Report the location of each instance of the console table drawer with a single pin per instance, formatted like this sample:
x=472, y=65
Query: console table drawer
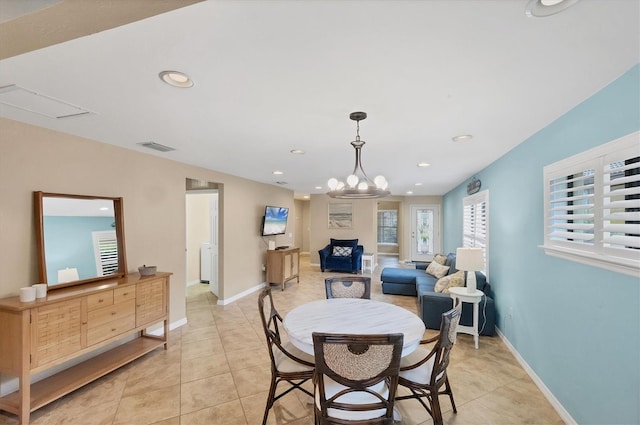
x=124, y=294
x=110, y=329
x=110, y=313
x=99, y=300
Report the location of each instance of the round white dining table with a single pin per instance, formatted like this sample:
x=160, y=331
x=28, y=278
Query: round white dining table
x=351, y=316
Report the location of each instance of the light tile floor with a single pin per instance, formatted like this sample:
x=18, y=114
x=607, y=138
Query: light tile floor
x=216, y=372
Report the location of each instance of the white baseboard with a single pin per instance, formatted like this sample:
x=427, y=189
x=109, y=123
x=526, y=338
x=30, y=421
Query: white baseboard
x=566, y=417
x=158, y=330
x=242, y=294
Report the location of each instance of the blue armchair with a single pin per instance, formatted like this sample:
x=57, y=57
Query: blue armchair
x=343, y=255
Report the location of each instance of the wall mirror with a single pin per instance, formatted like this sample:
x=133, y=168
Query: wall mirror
x=79, y=238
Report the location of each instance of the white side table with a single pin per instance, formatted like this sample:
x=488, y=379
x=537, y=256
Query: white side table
x=368, y=261
x=463, y=294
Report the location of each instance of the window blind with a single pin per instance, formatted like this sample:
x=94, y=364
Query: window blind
x=475, y=223
x=108, y=249
x=621, y=203
x=592, y=206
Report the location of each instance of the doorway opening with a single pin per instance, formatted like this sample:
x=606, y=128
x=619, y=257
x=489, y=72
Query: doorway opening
x=202, y=234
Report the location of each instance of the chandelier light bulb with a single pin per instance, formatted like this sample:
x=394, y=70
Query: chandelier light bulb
x=363, y=185
x=352, y=180
x=380, y=182
x=332, y=183
x=340, y=186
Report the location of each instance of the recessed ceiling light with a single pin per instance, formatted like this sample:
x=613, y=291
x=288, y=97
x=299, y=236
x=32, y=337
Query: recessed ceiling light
x=544, y=8
x=176, y=79
x=409, y=192
x=418, y=184
x=297, y=151
x=318, y=187
x=423, y=164
x=462, y=138
x=278, y=173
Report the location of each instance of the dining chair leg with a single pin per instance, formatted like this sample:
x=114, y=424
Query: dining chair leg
x=447, y=390
x=435, y=409
x=270, y=398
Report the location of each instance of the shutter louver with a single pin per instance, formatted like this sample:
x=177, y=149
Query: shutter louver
x=571, y=216
x=621, y=203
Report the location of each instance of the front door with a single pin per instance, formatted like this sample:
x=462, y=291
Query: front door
x=425, y=232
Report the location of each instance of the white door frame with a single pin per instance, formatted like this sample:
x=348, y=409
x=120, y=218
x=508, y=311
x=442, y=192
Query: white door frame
x=213, y=215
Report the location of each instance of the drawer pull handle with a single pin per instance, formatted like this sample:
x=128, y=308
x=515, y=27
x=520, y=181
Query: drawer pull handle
x=113, y=329
x=113, y=313
x=100, y=300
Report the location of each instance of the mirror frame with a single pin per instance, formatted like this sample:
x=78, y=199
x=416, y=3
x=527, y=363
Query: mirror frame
x=39, y=222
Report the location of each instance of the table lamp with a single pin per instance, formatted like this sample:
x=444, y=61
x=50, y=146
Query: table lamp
x=470, y=260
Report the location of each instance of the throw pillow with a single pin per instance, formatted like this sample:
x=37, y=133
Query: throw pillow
x=443, y=284
x=440, y=258
x=437, y=270
x=342, y=251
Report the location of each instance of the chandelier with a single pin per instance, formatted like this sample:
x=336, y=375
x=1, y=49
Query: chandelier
x=358, y=185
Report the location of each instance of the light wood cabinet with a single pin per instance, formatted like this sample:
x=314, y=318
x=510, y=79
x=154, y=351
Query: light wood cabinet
x=74, y=321
x=56, y=331
x=283, y=265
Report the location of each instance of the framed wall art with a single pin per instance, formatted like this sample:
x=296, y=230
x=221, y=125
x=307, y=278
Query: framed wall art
x=340, y=216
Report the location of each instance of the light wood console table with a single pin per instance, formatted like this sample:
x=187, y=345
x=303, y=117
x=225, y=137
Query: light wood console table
x=283, y=265
x=75, y=321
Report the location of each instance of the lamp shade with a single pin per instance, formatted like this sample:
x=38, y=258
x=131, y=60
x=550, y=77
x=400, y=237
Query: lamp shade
x=469, y=259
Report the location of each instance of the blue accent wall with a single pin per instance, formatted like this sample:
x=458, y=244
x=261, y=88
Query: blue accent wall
x=69, y=243
x=576, y=326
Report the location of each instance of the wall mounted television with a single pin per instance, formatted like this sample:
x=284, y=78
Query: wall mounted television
x=274, y=221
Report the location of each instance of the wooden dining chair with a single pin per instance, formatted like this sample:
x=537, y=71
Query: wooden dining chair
x=348, y=287
x=356, y=378
x=424, y=371
x=288, y=364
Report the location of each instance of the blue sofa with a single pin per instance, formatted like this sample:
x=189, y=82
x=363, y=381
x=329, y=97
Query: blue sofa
x=332, y=259
x=416, y=282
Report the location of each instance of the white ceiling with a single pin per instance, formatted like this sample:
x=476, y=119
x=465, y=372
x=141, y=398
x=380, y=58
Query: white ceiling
x=272, y=76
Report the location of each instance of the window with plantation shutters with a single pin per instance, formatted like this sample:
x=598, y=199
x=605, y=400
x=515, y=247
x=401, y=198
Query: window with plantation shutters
x=475, y=224
x=592, y=205
x=105, y=248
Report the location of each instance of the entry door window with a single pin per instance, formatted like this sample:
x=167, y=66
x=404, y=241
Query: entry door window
x=424, y=231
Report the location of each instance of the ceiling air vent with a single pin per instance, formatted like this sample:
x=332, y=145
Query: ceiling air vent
x=157, y=146
x=27, y=100
x=281, y=183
